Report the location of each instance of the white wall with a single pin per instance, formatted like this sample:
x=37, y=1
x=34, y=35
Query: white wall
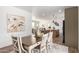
x=41, y=21
x=5, y=37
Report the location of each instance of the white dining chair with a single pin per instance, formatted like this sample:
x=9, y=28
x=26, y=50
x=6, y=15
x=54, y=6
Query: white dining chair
x=18, y=44
x=50, y=37
x=50, y=41
x=55, y=48
x=43, y=46
x=21, y=45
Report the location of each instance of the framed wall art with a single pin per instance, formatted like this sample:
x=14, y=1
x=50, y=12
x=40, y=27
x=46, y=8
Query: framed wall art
x=15, y=23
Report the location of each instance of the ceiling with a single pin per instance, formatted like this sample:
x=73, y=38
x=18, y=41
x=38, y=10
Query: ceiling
x=26, y=8
x=43, y=12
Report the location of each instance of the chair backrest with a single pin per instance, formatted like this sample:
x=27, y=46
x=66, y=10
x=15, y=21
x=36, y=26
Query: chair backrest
x=49, y=41
x=43, y=43
x=17, y=42
x=50, y=37
x=44, y=38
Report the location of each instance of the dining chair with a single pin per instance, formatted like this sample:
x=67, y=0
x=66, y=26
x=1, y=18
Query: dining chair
x=17, y=43
x=50, y=38
x=53, y=47
x=43, y=46
x=49, y=41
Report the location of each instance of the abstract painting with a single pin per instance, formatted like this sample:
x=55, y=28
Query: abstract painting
x=15, y=23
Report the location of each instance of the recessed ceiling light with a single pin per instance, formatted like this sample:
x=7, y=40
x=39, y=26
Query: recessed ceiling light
x=59, y=11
